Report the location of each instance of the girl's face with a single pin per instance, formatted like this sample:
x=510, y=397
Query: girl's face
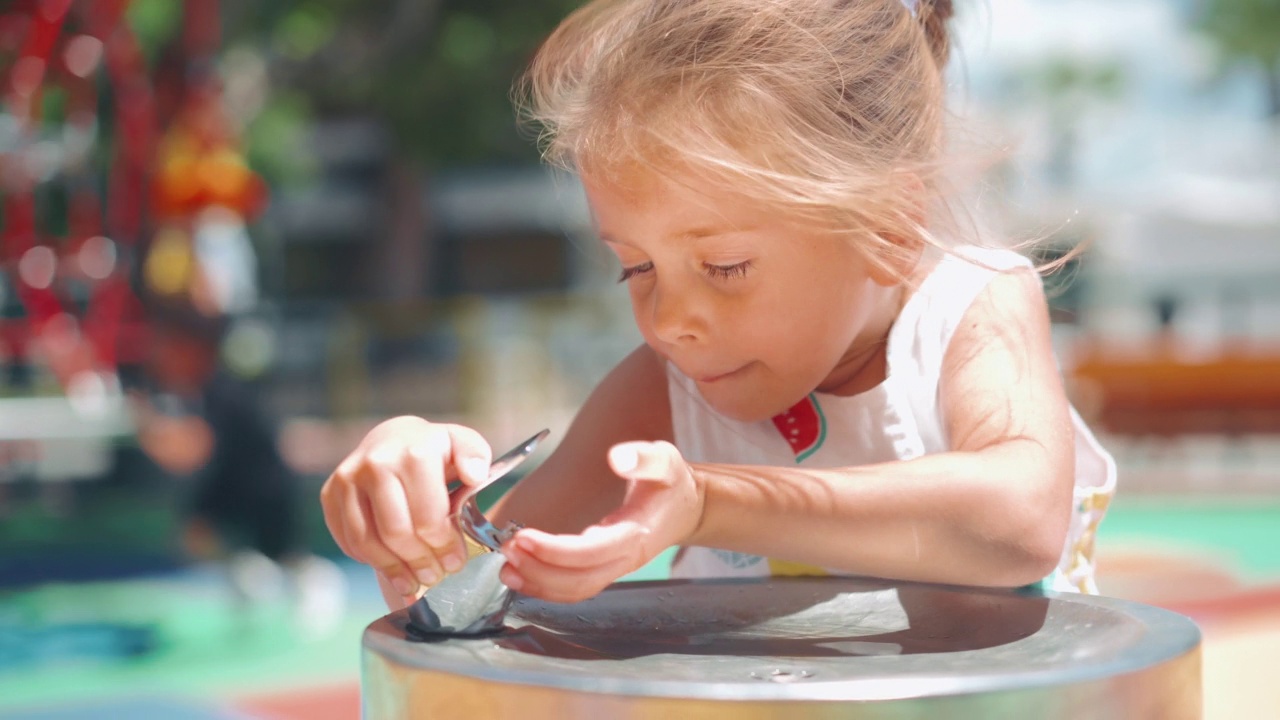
x=758, y=311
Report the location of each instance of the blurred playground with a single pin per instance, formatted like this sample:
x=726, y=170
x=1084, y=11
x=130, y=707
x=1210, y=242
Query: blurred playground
x=283, y=222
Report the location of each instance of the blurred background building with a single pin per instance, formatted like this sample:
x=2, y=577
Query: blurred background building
x=329, y=205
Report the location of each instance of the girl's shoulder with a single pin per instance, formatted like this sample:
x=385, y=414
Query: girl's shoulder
x=944, y=295
x=960, y=273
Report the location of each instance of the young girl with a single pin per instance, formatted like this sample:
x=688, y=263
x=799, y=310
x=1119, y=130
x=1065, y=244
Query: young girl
x=831, y=380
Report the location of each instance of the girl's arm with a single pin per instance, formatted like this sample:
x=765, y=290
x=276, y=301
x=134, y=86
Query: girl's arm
x=574, y=487
x=992, y=511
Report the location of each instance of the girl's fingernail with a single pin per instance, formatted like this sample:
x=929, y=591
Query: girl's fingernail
x=624, y=458
x=402, y=585
x=513, y=557
x=476, y=469
x=524, y=543
x=427, y=576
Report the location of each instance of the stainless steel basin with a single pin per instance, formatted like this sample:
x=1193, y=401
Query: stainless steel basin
x=796, y=648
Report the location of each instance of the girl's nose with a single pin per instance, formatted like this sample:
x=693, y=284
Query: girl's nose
x=673, y=315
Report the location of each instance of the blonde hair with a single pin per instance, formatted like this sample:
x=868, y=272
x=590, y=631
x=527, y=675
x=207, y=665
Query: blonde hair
x=823, y=107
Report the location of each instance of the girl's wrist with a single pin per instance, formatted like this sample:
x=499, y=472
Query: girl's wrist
x=700, y=474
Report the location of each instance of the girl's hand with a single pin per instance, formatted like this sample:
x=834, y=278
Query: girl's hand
x=662, y=507
x=387, y=504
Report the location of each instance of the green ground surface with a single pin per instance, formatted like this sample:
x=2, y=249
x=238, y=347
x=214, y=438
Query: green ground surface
x=207, y=649
x=204, y=648
x=1243, y=533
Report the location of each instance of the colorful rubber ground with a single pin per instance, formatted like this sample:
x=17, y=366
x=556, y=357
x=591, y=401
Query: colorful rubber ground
x=185, y=652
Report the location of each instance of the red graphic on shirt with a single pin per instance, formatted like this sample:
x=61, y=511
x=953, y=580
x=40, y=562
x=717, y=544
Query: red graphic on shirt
x=803, y=427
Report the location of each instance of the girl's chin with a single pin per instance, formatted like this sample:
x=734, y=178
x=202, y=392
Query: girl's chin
x=734, y=409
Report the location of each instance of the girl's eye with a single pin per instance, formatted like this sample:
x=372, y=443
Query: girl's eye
x=634, y=270
x=717, y=272
x=728, y=272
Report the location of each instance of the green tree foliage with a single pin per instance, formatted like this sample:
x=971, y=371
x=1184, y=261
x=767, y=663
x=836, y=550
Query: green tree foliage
x=438, y=73
x=1248, y=30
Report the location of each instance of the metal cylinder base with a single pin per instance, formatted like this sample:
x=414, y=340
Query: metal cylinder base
x=796, y=648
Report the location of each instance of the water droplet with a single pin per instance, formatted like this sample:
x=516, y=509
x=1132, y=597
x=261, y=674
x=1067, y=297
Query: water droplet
x=779, y=675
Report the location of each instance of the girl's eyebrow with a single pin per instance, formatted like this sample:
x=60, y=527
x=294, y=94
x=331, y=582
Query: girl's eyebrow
x=693, y=233
x=702, y=231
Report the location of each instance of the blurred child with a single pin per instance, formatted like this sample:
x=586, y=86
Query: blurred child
x=244, y=509
x=837, y=377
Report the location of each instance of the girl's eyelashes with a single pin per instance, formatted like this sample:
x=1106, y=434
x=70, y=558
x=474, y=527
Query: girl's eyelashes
x=634, y=270
x=727, y=272
x=717, y=272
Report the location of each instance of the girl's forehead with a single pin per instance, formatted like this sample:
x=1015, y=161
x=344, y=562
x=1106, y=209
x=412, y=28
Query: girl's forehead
x=671, y=208
x=652, y=190
x=685, y=206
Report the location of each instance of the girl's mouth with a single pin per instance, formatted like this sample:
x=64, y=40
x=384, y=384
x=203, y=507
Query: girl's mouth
x=708, y=379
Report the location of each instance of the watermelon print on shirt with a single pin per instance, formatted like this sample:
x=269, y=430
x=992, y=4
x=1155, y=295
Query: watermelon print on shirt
x=804, y=427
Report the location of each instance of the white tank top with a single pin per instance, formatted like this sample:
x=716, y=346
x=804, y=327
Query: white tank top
x=899, y=419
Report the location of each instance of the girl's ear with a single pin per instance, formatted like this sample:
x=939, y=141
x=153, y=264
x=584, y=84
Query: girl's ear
x=902, y=246
x=896, y=259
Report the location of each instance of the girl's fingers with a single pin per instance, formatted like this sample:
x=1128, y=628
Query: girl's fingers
x=362, y=535
x=351, y=519
x=529, y=575
x=391, y=596
x=624, y=532
x=332, y=508
x=387, y=504
x=427, y=499
x=653, y=461
x=395, y=529
x=469, y=454
x=333, y=520
x=355, y=525
x=584, y=550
